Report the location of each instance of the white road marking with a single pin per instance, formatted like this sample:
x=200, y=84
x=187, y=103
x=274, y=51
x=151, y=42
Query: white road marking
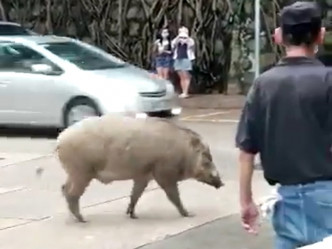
x=15, y=158
x=212, y=120
x=10, y=190
x=205, y=115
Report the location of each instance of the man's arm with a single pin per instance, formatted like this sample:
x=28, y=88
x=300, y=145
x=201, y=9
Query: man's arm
x=246, y=141
x=249, y=210
x=246, y=173
x=191, y=43
x=248, y=144
x=247, y=137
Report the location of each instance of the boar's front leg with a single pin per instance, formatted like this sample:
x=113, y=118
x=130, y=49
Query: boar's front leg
x=171, y=189
x=137, y=191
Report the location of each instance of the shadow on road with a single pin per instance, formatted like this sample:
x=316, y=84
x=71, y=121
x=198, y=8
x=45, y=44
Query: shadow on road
x=29, y=132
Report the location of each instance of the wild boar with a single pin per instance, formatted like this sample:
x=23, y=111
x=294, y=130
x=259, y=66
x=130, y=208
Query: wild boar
x=114, y=147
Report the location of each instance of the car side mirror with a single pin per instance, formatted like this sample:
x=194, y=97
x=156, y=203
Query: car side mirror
x=41, y=68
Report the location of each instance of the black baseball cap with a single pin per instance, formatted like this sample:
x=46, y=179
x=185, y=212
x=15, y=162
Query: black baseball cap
x=300, y=13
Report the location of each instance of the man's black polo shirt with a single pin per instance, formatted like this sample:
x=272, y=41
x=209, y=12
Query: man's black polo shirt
x=287, y=118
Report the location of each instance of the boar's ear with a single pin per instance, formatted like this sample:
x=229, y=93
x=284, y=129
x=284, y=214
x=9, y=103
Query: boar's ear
x=195, y=142
x=195, y=139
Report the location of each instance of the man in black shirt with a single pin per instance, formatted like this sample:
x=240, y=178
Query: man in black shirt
x=287, y=120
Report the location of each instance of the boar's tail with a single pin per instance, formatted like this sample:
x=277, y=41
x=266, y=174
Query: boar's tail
x=40, y=170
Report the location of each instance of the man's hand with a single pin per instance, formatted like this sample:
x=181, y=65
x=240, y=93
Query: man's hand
x=250, y=217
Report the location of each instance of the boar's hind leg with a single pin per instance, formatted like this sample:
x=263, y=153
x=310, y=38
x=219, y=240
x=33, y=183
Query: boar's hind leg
x=137, y=191
x=72, y=190
x=172, y=191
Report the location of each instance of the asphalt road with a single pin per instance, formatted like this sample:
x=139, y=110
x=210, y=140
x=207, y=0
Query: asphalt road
x=31, y=207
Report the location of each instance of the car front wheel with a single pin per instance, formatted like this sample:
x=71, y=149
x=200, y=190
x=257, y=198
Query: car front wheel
x=80, y=110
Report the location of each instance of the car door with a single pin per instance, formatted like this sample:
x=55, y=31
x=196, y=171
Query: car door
x=8, y=99
x=30, y=96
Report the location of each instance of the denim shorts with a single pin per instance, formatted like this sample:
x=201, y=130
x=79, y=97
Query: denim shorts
x=183, y=65
x=164, y=61
x=303, y=216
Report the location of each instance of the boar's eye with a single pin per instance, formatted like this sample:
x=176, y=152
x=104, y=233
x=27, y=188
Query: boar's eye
x=207, y=155
x=207, y=164
x=206, y=161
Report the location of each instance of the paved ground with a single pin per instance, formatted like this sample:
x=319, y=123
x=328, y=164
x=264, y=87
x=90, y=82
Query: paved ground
x=221, y=233
x=214, y=101
x=210, y=116
x=33, y=214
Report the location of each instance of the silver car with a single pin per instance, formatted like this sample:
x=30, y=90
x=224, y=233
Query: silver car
x=56, y=81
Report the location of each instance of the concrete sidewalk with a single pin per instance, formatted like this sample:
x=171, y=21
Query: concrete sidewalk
x=35, y=216
x=216, y=101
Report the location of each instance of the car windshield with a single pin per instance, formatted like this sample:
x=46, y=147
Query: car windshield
x=83, y=57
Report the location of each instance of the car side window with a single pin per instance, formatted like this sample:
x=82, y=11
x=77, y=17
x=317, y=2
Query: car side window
x=20, y=58
x=8, y=29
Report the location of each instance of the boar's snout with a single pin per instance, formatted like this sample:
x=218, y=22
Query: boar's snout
x=215, y=180
x=217, y=183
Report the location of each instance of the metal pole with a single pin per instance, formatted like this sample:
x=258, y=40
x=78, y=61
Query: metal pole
x=257, y=37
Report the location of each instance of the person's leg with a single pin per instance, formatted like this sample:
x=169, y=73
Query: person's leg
x=163, y=72
x=186, y=83
x=318, y=207
x=182, y=82
x=159, y=66
x=160, y=71
x=288, y=220
x=178, y=67
x=166, y=73
x=284, y=243
x=167, y=67
x=187, y=67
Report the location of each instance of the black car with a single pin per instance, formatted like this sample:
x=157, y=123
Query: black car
x=12, y=28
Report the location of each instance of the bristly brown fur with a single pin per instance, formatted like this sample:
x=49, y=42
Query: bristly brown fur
x=138, y=150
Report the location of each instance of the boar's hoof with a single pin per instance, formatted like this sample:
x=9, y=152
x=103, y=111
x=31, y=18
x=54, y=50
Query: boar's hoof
x=187, y=214
x=131, y=213
x=133, y=216
x=73, y=205
x=80, y=219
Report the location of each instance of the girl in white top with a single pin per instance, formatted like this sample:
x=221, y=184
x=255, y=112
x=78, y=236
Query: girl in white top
x=183, y=47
